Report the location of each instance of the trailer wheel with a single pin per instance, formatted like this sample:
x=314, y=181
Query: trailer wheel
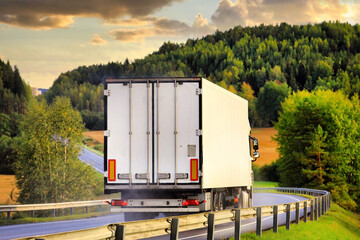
x=244, y=199
x=215, y=202
x=221, y=201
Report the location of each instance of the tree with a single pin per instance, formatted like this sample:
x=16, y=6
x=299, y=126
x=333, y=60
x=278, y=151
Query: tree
x=318, y=135
x=48, y=169
x=269, y=101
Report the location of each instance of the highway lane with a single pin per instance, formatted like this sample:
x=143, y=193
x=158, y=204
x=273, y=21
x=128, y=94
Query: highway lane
x=35, y=229
x=93, y=159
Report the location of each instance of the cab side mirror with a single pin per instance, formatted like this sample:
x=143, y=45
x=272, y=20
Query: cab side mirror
x=255, y=144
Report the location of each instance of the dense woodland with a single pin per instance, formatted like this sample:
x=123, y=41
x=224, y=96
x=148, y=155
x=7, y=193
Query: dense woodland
x=14, y=96
x=320, y=56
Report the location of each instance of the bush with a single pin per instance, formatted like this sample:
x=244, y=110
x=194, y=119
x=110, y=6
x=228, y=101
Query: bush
x=93, y=120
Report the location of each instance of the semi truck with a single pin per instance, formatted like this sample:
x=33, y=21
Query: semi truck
x=175, y=145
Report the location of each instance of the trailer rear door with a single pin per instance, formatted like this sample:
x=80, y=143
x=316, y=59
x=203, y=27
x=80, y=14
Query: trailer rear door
x=153, y=132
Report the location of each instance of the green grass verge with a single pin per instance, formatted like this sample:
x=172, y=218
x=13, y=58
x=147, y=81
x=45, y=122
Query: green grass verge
x=337, y=223
x=264, y=184
x=93, y=150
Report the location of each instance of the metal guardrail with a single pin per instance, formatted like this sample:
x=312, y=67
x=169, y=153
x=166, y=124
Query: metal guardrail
x=318, y=205
x=51, y=206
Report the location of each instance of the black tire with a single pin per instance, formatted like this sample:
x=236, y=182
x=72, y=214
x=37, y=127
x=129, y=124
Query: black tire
x=215, y=202
x=221, y=201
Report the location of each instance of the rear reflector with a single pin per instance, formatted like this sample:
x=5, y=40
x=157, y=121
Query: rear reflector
x=194, y=170
x=112, y=170
x=119, y=203
x=190, y=202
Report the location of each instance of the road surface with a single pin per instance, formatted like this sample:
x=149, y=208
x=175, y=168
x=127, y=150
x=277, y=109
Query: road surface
x=94, y=160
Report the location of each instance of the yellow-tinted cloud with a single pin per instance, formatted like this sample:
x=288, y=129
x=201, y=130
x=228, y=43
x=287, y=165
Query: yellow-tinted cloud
x=164, y=27
x=59, y=14
x=98, y=40
x=254, y=12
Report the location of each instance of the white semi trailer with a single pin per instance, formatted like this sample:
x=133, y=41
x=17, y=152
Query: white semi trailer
x=176, y=145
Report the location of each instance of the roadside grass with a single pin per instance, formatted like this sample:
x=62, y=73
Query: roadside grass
x=93, y=150
x=337, y=223
x=93, y=142
x=264, y=184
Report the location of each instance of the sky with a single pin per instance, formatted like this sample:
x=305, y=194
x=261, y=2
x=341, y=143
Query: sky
x=44, y=38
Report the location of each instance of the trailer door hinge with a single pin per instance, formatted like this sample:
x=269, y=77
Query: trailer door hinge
x=198, y=132
x=107, y=92
x=198, y=91
x=107, y=133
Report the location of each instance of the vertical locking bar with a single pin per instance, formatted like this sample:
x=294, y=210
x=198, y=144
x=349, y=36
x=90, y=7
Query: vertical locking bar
x=148, y=129
x=157, y=130
x=175, y=131
x=130, y=133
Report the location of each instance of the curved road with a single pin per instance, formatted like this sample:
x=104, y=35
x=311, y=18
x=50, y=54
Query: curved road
x=224, y=230
x=94, y=160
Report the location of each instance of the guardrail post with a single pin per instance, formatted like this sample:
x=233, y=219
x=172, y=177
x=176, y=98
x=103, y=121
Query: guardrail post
x=86, y=209
x=323, y=205
x=297, y=215
x=32, y=214
x=316, y=208
x=174, y=235
x=71, y=211
x=275, y=219
x=305, y=211
x=8, y=216
x=211, y=226
x=312, y=209
x=53, y=213
x=237, y=224
x=288, y=214
x=258, y=222
x=319, y=208
x=120, y=232
x=100, y=208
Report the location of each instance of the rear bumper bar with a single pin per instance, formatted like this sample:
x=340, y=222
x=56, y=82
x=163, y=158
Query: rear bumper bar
x=125, y=209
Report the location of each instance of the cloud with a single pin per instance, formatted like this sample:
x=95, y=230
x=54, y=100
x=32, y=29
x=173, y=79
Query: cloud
x=230, y=14
x=164, y=27
x=49, y=14
x=98, y=40
x=254, y=12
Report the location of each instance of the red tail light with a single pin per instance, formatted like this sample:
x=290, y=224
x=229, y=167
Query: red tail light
x=119, y=203
x=190, y=202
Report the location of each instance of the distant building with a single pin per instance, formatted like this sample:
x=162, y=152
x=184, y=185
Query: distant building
x=38, y=91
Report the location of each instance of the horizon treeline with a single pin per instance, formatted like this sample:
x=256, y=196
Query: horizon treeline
x=318, y=56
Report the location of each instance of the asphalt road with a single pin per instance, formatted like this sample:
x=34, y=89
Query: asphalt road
x=224, y=230
x=94, y=160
